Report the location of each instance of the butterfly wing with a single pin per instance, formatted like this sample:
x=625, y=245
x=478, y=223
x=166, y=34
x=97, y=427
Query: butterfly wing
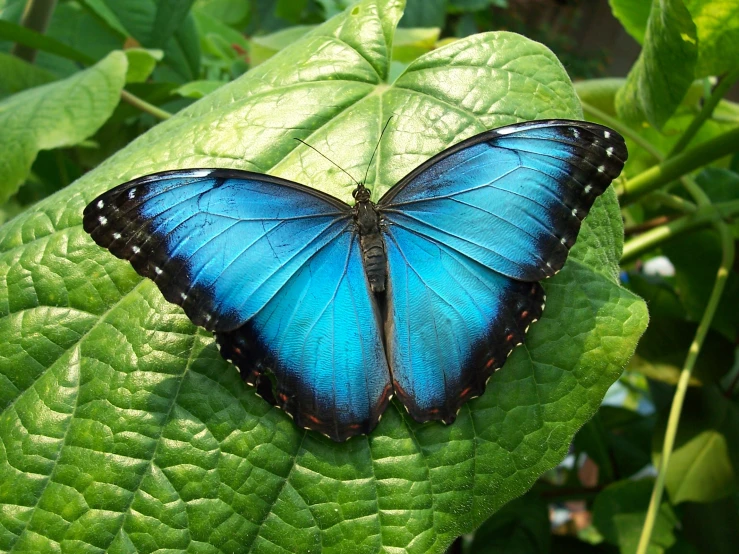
x=219, y=243
x=315, y=349
x=468, y=234
x=273, y=268
x=450, y=323
x=512, y=198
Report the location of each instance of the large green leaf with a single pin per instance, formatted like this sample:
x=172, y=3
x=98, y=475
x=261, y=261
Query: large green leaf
x=704, y=465
x=717, y=22
x=521, y=526
x=633, y=15
x=666, y=66
x=717, y=26
x=58, y=114
x=123, y=429
x=20, y=75
x=86, y=38
x=619, y=512
x=601, y=93
x=164, y=24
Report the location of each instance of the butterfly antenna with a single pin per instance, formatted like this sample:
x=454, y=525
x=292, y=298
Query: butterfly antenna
x=329, y=159
x=376, y=147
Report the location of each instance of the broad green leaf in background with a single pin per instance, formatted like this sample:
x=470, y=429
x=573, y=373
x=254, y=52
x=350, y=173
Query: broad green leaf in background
x=198, y=89
x=474, y=5
x=62, y=113
x=706, y=448
x=601, y=93
x=101, y=10
x=424, y=13
x=141, y=62
x=522, y=526
x=629, y=436
x=619, y=512
x=142, y=18
x=633, y=15
x=712, y=526
x=409, y=44
x=696, y=258
x=665, y=69
x=208, y=25
x=71, y=25
x=117, y=411
x=263, y=47
x=231, y=12
x=664, y=346
x=170, y=15
x=717, y=22
x=18, y=75
x=333, y=7
x=717, y=27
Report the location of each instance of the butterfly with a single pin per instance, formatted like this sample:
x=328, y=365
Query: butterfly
x=330, y=309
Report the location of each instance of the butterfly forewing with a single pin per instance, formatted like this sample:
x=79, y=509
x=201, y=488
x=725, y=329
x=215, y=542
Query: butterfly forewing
x=220, y=243
x=513, y=198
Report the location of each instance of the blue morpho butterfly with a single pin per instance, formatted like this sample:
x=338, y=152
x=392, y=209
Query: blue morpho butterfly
x=330, y=309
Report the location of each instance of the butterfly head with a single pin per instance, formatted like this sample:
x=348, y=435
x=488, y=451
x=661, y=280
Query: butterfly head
x=361, y=193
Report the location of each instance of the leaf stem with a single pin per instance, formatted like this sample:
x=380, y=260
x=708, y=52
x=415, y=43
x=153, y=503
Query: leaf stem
x=36, y=16
x=705, y=215
x=682, y=164
x=622, y=128
x=672, y=201
x=144, y=106
x=727, y=246
x=706, y=111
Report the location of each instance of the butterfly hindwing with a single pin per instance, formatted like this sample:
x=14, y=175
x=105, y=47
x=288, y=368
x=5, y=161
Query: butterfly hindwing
x=315, y=349
x=220, y=243
x=512, y=198
x=450, y=323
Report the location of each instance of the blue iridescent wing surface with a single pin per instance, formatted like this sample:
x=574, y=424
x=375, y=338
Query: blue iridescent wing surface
x=320, y=340
x=450, y=323
x=241, y=252
x=513, y=198
x=468, y=234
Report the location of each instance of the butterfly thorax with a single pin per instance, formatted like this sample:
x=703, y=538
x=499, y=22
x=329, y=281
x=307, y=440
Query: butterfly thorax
x=370, y=239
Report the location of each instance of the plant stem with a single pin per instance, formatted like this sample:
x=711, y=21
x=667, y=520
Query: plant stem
x=706, y=111
x=36, y=16
x=705, y=215
x=625, y=130
x=144, y=106
x=682, y=164
x=672, y=201
x=727, y=245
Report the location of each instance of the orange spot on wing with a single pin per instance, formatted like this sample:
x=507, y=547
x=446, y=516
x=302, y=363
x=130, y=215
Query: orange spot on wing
x=524, y=314
x=490, y=363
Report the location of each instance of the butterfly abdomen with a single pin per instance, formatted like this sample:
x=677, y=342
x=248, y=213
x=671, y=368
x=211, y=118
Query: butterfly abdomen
x=372, y=244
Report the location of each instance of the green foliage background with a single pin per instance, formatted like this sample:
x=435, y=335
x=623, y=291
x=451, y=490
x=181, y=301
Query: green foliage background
x=122, y=429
